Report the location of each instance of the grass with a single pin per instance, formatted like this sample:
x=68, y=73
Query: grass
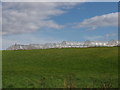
x=61, y=68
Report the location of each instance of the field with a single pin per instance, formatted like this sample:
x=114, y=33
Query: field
x=61, y=68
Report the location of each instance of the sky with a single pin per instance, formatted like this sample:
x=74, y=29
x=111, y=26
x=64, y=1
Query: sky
x=49, y=22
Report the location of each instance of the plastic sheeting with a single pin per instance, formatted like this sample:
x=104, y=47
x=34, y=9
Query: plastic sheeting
x=65, y=44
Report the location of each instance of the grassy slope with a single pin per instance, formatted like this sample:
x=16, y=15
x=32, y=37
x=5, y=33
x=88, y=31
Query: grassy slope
x=54, y=68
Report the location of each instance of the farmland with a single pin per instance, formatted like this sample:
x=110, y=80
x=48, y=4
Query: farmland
x=61, y=68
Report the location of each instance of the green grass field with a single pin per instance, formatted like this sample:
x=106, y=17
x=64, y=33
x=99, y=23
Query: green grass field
x=61, y=68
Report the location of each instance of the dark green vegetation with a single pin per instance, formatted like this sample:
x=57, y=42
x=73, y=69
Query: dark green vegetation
x=61, y=68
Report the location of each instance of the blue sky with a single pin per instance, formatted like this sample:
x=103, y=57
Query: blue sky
x=26, y=23
x=87, y=10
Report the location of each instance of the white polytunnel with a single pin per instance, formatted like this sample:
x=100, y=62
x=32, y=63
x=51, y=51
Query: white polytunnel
x=66, y=44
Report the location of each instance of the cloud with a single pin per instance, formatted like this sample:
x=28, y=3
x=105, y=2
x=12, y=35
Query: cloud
x=101, y=37
x=25, y=17
x=106, y=20
x=60, y=0
x=0, y=25
x=0, y=17
x=92, y=38
x=45, y=0
x=111, y=34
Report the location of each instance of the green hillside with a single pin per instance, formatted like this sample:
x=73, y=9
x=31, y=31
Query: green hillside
x=61, y=68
